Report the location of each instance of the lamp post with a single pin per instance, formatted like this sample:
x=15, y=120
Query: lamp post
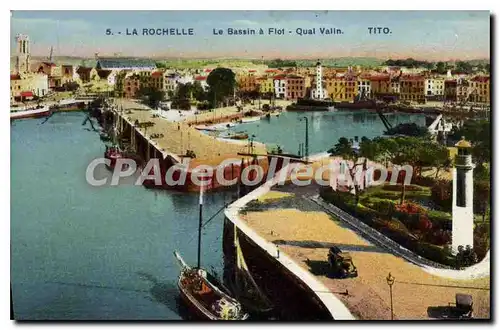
x=390, y=281
x=307, y=138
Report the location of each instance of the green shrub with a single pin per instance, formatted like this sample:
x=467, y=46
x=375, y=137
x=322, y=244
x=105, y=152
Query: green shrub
x=441, y=194
x=399, y=236
x=435, y=253
x=425, y=181
x=399, y=187
x=392, y=195
x=383, y=206
x=481, y=240
x=440, y=219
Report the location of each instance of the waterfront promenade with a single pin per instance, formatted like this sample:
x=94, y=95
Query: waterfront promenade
x=303, y=231
x=228, y=113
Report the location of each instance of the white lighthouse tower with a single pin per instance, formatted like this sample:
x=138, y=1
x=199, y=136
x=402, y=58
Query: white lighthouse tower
x=23, y=57
x=317, y=93
x=462, y=211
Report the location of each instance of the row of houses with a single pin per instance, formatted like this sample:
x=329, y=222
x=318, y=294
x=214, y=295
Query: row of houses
x=350, y=85
x=127, y=76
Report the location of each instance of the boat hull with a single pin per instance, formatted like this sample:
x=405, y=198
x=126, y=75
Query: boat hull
x=194, y=310
x=36, y=113
x=249, y=120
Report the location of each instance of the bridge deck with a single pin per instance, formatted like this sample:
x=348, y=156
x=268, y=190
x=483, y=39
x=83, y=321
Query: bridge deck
x=180, y=137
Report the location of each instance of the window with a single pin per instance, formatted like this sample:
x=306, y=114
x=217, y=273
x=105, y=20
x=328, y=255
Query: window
x=460, y=188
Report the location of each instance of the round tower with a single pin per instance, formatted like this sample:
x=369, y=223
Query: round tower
x=462, y=210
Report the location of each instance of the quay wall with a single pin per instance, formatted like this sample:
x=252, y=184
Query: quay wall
x=275, y=264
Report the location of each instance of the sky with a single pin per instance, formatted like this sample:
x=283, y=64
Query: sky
x=429, y=35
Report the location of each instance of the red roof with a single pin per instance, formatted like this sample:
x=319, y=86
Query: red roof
x=271, y=70
x=27, y=94
x=412, y=77
x=380, y=78
x=252, y=70
x=482, y=79
x=15, y=77
x=208, y=70
x=156, y=74
x=281, y=76
x=200, y=78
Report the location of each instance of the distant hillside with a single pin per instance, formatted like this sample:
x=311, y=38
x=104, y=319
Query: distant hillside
x=478, y=62
x=59, y=60
x=344, y=61
x=181, y=63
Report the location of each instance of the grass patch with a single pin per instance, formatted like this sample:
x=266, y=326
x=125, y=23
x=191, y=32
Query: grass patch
x=273, y=195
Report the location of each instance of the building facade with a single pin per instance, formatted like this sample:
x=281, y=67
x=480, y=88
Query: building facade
x=380, y=86
x=364, y=86
x=132, y=85
x=412, y=88
x=342, y=88
x=481, y=89
x=28, y=85
x=296, y=87
x=247, y=82
x=450, y=90
x=434, y=88
x=280, y=86
x=266, y=85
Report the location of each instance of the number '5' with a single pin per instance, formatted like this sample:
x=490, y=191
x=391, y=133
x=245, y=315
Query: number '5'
x=108, y=32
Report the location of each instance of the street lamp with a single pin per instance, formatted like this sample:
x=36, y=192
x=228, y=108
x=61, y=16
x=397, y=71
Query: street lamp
x=307, y=137
x=390, y=281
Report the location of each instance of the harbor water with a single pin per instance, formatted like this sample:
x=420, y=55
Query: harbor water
x=325, y=128
x=83, y=252
x=105, y=253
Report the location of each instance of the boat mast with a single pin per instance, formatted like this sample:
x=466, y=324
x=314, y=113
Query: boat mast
x=200, y=225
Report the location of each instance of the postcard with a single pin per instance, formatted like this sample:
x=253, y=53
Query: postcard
x=250, y=165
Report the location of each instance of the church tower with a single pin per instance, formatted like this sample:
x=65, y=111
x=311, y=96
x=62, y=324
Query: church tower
x=462, y=210
x=23, y=56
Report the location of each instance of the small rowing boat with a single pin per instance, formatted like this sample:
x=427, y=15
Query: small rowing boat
x=249, y=120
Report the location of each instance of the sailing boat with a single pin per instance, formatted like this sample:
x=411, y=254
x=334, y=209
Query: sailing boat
x=201, y=291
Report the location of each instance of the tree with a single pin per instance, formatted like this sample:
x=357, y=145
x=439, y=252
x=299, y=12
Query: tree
x=198, y=92
x=463, y=67
x=152, y=96
x=408, y=129
x=222, y=84
x=441, y=194
x=71, y=86
x=434, y=155
x=441, y=67
x=481, y=197
x=171, y=95
x=478, y=132
x=369, y=150
x=344, y=149
x=388, y=149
